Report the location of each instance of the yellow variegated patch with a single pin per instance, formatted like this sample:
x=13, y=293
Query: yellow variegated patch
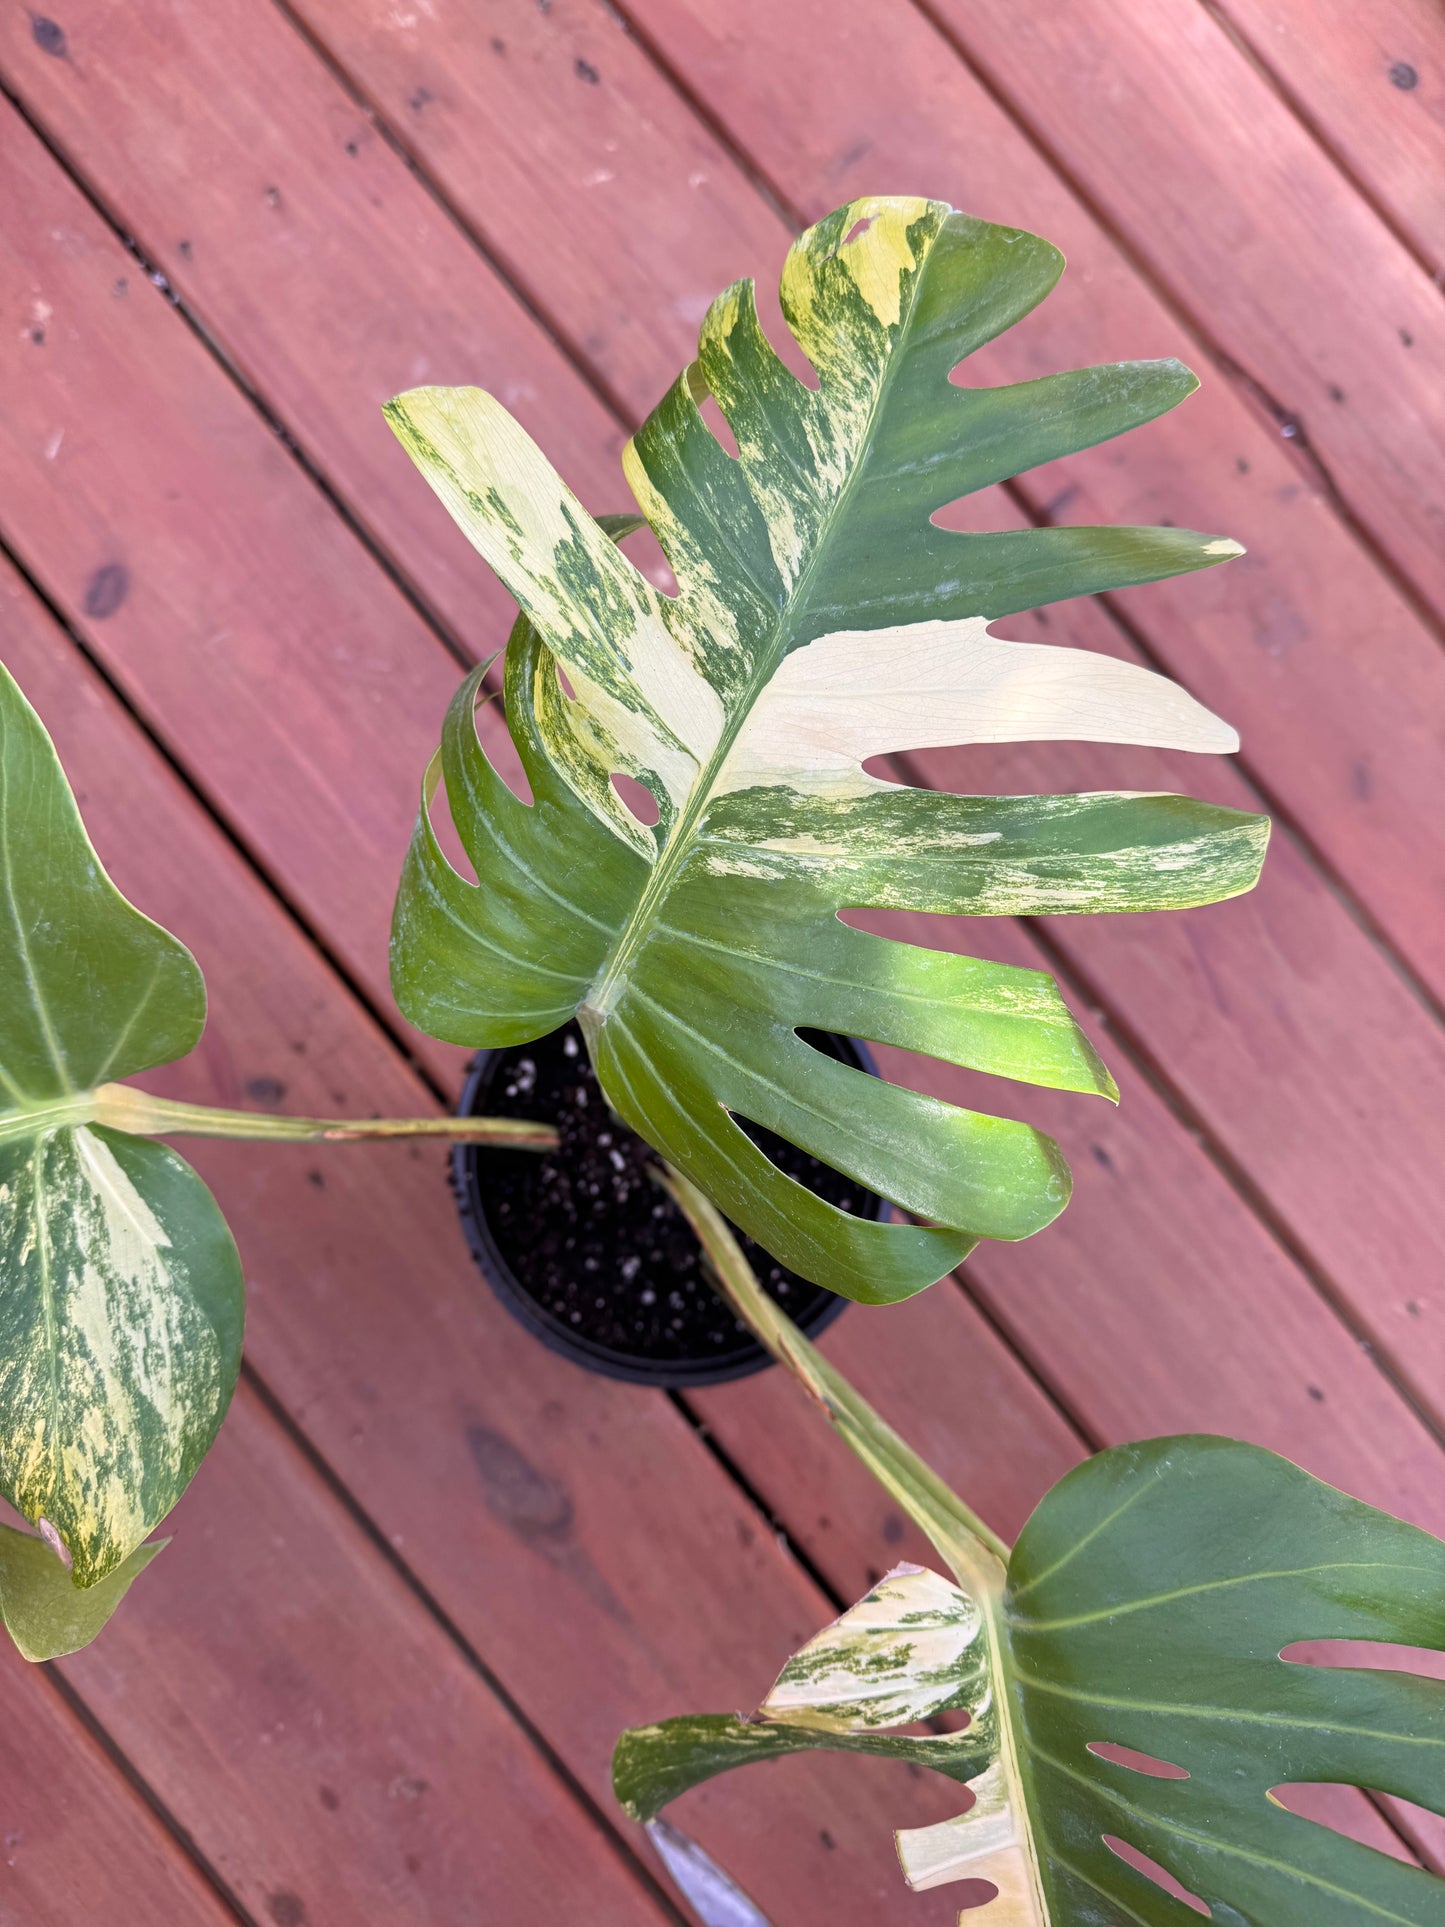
x=897, y=1656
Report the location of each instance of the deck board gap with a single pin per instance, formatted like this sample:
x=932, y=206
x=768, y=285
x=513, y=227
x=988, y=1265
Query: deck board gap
x=163, y=287
x=125, y=1769
x=1219, y=13
x=608, y=1825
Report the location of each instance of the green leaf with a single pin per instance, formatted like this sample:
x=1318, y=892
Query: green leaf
x=121, y=1294
x=1146, y=1607
x=44, y=1613
x=822, y=619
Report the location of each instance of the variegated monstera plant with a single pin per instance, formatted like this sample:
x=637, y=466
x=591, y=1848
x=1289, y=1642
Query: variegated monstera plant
x=821, y=619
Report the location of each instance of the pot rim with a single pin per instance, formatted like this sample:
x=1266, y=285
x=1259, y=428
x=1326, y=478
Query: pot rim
x=670, y=1374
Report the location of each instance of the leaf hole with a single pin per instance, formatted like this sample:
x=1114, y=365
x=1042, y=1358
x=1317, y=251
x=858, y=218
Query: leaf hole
x=1137, y=1762
x=837, y=1188
x=781, y=339
x=859, y=228
x=717, y=421
x=644, y=552
x=1374, y=1655
x=1339, y=1807
x=496, y=740
x=969, y=1894
x=1151, y=1869
x=444, y=829
x=637, y=799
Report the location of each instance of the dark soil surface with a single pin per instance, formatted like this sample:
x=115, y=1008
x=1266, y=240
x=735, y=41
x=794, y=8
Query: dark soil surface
x=594, y=1241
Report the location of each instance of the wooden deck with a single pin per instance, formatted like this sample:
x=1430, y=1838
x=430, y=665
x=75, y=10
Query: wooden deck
x=430, y=1571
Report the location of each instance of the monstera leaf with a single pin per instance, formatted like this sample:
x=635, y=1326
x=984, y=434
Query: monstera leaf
x=121, y=1296
x=821, y=619
x=1123, y=1675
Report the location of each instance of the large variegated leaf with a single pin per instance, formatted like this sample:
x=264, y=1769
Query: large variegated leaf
x=1145, y=1612
x=821, y=619
x=121, y=1297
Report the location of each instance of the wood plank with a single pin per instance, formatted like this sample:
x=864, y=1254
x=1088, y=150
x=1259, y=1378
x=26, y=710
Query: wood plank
x=1206, y=1196
x=319, y=262
x=577, y=1532
x=623, y=218
x=77, y=1841
x=1371, y=82
x=1227, y=199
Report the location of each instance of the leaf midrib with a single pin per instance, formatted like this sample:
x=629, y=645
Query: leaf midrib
x=610, y=983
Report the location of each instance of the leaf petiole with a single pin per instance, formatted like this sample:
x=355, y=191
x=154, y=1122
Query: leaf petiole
x=941, y=1514
x=123, y=1108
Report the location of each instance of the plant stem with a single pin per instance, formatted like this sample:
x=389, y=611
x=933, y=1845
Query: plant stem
x=127, y=1109
x=949, y=1523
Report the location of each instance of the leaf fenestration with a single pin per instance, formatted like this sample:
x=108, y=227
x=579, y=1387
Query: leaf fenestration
x=822, y=618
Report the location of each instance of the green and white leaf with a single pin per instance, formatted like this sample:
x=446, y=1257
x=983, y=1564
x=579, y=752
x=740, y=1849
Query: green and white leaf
x=121, y=1295
x=1145, y=1607
x=821, y=619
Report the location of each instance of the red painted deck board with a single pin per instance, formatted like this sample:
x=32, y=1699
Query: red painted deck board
x=77, y=1843
x=300, y=689
x=1370, y=82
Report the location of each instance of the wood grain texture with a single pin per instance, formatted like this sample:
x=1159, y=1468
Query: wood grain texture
x=76, y=1841
x=1370, y=82
x=649, y=216
x=585, y=1543
x=313, y=256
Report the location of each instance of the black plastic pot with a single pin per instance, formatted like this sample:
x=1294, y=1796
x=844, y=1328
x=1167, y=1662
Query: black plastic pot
x=573, y=1242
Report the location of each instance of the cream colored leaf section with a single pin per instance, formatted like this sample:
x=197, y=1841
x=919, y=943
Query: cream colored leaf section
x=898, y=1655
x=983, y=1844
x=867, y=692
x=595, y=610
